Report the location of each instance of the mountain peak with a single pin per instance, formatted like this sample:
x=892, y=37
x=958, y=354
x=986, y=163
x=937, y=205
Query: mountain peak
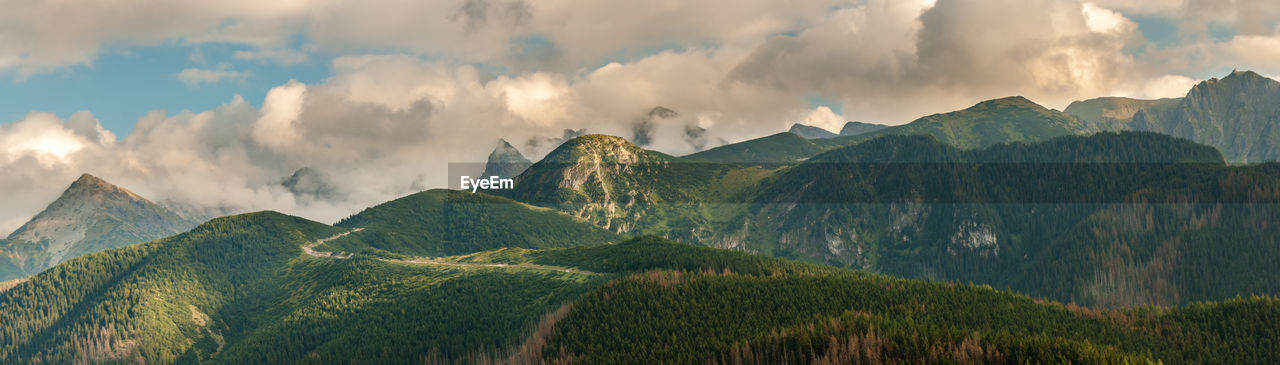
x=505, y=161
x=855, y=128
x=91, y=215
x=89, y=185
x=1007, y=102
x=810, y=132
x=86, y=178
x=591, y=141
x=503, y=145
x=662, y=112
x=1243, y=74
x=1237, y=78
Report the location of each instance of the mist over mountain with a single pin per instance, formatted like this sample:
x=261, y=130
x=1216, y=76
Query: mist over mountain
x=505, y=161
x=91, y=215
x=309, y=183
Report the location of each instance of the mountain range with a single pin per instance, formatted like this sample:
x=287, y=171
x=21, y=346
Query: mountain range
x=262, y=287
x=1118, y=231
x=1238, y=114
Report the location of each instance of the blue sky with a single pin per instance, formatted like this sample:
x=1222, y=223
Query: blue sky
x=123, y=85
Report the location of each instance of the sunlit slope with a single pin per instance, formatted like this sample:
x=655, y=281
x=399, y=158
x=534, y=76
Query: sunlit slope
x=445, y=222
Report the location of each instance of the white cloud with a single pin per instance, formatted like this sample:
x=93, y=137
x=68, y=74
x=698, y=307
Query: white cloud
x=822, y=117
x=1168, y=86
x=1103, y=20
x=281, y=56
x=197, y=76
x=388, y=124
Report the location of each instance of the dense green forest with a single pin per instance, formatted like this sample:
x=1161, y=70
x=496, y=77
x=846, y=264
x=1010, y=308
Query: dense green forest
x=445, y=222
x=819, y=260
x=240, y=290
x=1112, y=219
x=728, y=312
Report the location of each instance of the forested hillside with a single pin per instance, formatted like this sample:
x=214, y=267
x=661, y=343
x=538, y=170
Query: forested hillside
x=1112, y=219
x=445, y=222
x=725, y=316
x=240, y=290
x=1006, y=215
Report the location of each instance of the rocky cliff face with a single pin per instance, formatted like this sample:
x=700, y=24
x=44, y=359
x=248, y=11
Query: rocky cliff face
x=90, y=216
x=1239, y=115
x=505, y=161
x=598, y=178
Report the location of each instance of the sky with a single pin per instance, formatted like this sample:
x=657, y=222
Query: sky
x=207, y=106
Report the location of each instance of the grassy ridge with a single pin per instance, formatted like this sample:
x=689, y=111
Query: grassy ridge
x=445, y=223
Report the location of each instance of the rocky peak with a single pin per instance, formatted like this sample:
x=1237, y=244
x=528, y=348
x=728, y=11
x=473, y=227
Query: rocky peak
x=89, y=185
x=91, y=215
x=602, y=148
x=1007, y=103
x=505, y=161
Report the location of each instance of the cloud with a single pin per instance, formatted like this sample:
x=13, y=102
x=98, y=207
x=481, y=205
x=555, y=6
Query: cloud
x=40, y=36
x=281, y=56
x=822, y=117
x=418, y=85
x=197, y=76
x=39, y=155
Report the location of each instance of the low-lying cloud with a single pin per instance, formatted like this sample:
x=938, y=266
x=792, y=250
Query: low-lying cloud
x=415, y=86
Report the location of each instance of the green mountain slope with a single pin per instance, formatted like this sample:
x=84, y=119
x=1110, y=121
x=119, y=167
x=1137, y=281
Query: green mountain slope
x=623, y=188
x=1106, y=220
x=810, y=132
x=1127, y=209
x=445, y=222
x=90, y=216
x=241, y=290
x=727, y=316
x=856, y=128
x=1012, y=119
x=777, y=148
x=144, y=300
x=1114, y=113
